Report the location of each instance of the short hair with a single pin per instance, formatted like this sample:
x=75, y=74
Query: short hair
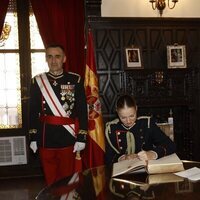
x=125, y=100
x=55, y=46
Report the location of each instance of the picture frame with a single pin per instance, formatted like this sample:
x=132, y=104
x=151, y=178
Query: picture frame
x=133, y=58
x=176, y=56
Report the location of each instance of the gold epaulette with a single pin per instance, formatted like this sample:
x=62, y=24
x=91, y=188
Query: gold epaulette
x=84, y=132
x=79, y=77
x=108, y=131
x=145, y=117
x=115, y=121
x=32, y=131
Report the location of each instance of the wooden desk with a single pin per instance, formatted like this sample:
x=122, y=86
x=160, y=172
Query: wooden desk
x=96, y=183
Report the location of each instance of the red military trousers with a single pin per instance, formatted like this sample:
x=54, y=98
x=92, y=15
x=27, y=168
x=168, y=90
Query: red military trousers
x=57, y=163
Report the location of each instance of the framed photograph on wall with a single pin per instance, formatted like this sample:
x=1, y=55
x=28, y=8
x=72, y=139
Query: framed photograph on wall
x=133, y=58
x=176, y=56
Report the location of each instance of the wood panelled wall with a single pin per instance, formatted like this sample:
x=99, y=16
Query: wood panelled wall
x=158, y=90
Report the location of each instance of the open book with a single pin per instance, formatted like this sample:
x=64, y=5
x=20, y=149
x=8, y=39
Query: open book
x=167, y=164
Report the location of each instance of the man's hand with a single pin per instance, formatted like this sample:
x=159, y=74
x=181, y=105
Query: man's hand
x=79, y=146
x=33, y=146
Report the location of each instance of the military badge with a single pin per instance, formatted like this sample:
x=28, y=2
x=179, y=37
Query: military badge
x=68, y=96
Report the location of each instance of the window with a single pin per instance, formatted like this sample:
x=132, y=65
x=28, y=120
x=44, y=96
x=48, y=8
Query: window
x=38, y=64
x=14, y=74
x=10, y=91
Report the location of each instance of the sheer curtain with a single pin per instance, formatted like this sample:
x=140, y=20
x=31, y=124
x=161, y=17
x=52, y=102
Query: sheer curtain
x=62, y=22
x=3, y=11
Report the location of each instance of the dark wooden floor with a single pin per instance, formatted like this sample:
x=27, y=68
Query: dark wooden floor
x=21, y=182
x=25, y=188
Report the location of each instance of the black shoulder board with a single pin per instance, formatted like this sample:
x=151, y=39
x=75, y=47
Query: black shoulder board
x=78, y=76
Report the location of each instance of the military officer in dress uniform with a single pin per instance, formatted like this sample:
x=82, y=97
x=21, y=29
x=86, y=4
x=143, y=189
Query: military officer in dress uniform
x=58, y=116
x=129, y=136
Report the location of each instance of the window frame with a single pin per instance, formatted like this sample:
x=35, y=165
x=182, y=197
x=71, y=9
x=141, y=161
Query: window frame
x=25, y=67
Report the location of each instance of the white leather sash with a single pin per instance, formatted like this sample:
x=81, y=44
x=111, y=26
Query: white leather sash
x=53, y=101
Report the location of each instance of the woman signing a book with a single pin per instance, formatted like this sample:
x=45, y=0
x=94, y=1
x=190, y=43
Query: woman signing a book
x=130, y=136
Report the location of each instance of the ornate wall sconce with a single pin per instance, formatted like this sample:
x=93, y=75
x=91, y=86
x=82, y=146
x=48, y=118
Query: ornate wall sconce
x=5, y=34
x=160, y=5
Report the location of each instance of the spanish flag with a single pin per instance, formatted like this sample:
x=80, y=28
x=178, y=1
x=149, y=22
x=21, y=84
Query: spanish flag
x=95, y=146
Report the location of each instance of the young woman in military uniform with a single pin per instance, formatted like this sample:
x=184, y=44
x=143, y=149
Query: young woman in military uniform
x=129, y=136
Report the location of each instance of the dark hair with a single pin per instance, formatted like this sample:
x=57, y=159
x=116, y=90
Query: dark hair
x=55, y=46
x=125, y=100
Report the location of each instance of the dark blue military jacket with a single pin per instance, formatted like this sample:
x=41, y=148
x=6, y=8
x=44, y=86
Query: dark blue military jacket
x=146, y=136
x=69, y=89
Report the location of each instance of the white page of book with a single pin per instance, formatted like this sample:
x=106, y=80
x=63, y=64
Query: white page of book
x=173, y=158
x=128, y=166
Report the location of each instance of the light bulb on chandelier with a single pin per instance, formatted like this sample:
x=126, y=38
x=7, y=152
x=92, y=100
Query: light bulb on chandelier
x=161, y=4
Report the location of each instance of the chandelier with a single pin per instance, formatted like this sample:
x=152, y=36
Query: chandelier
x=160, y=5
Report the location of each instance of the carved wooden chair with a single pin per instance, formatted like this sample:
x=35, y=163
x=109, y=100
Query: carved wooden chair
x=168, y=129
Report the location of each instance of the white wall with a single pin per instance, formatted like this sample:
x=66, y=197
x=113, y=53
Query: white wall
x=142, y=8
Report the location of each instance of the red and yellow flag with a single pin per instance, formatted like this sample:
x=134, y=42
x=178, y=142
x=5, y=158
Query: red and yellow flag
x=95, y=148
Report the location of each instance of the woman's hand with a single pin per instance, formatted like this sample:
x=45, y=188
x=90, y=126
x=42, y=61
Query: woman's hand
x=127, y=157
x=147, y=155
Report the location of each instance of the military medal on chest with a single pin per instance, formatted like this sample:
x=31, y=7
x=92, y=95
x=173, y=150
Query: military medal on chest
x=55, y=83
x=64, y=89
x=67, y=96
x=53, y=78
x=67, y=92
